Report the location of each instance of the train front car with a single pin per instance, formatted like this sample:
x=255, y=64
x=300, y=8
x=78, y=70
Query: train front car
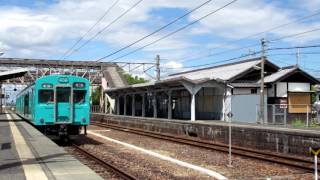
x=61, y=105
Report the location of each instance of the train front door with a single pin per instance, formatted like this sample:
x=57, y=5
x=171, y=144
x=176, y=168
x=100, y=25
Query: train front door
x=63, y=102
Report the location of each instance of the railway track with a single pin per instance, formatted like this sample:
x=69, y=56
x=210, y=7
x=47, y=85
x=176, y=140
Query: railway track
x=291, y=161
x=106, y=165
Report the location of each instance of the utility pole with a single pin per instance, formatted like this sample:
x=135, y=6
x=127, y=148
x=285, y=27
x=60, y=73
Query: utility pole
x=298, y=56
x=263, y=53
x=158, y=67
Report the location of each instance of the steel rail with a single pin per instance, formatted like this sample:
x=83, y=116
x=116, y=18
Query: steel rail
x=241, y=151
x=113, y=168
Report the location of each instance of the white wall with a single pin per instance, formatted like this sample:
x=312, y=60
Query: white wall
x=282, y=89
x=299, y=87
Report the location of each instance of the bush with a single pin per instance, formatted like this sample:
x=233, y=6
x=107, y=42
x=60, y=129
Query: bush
x=298, y=123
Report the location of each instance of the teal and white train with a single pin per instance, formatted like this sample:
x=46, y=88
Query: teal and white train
x=58, y=105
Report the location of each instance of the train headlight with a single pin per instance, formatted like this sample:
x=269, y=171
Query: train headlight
x=47, y=85
x=41, y=120
x=79, y=85
x=83, y=120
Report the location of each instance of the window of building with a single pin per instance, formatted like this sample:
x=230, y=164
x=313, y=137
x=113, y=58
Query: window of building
x=254, y=91
x=45, y=96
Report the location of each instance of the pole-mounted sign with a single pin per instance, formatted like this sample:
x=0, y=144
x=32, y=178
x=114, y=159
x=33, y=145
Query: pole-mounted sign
x=315, y=152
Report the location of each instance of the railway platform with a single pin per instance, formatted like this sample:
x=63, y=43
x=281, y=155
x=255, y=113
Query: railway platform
x=25, y=153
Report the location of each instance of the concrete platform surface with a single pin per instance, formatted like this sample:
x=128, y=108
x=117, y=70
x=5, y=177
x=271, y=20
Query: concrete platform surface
x=25, y=153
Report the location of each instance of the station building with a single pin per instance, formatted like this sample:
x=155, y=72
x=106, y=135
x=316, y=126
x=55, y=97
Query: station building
x=214, y=93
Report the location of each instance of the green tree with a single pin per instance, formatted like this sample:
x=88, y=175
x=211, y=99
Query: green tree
x=95, y=96
x=133, y=80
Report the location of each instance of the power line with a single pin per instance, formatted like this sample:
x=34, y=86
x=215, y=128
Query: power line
x=154, y=32
x=256, y=44
x=294, y=35
x=174, y=32
x=90, y=29
x=223, y=52
x=251, y=54
x=105, y=28
x=217, y=62
x=317, y=12
x=293, y=54
x=294, y=47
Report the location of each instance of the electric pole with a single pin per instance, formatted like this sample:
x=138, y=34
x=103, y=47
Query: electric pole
x=298, y=56
x=158, y=67
x=263, y=53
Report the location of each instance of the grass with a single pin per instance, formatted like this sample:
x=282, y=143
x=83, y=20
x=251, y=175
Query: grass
x=298, y=123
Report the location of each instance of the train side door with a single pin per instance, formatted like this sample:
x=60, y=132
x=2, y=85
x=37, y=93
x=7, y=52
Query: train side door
x=63, y=104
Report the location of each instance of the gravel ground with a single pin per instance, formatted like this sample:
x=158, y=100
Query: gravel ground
x=92, y=165
x=136, y=163
x=243, y=168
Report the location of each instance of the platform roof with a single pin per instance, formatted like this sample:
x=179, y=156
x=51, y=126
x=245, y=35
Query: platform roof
x=13, y=73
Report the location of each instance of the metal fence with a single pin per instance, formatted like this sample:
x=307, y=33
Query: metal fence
x=298, y=115
x=96, y=109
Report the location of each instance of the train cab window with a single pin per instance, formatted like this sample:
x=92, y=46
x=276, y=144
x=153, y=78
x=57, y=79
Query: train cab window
x=79, y=96
x=45, y=96
x=63, y=94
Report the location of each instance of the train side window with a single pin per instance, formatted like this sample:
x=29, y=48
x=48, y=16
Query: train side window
x=45, y=96
x=79, y=96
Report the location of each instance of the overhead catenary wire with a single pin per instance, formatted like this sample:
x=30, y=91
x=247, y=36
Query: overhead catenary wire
x=155, y=31
x=174, y=32
x=316, y=13
x=254, y=45
x=105, y=27
x=295, y=35
x=250, y=54
x=90, y=29
x=217, y=62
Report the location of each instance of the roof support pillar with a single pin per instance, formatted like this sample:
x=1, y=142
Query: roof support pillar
x=193, y=90
x=143, y=113
x=125, y=105
x=1, y=110
x=118, y=104
x=193, y=107
x=170, y=104
x=154, y=103
x=133, y=105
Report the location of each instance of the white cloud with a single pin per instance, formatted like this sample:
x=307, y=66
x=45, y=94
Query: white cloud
x=247, y=17
x=26, y=32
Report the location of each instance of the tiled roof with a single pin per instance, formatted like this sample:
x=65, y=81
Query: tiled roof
x=223, y=72
x=282, y=72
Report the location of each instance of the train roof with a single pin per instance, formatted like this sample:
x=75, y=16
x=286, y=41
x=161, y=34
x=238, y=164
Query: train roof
x=51, y=76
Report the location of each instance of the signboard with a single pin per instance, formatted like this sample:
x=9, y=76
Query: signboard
x=315, y=151
x=283, y=103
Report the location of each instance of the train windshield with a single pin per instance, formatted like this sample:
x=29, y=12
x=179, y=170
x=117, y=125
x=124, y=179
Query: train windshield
x=45, y=96
x=79, y=96
x=63, y=94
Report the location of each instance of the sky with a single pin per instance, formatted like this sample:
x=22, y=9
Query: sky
x=47, y=29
